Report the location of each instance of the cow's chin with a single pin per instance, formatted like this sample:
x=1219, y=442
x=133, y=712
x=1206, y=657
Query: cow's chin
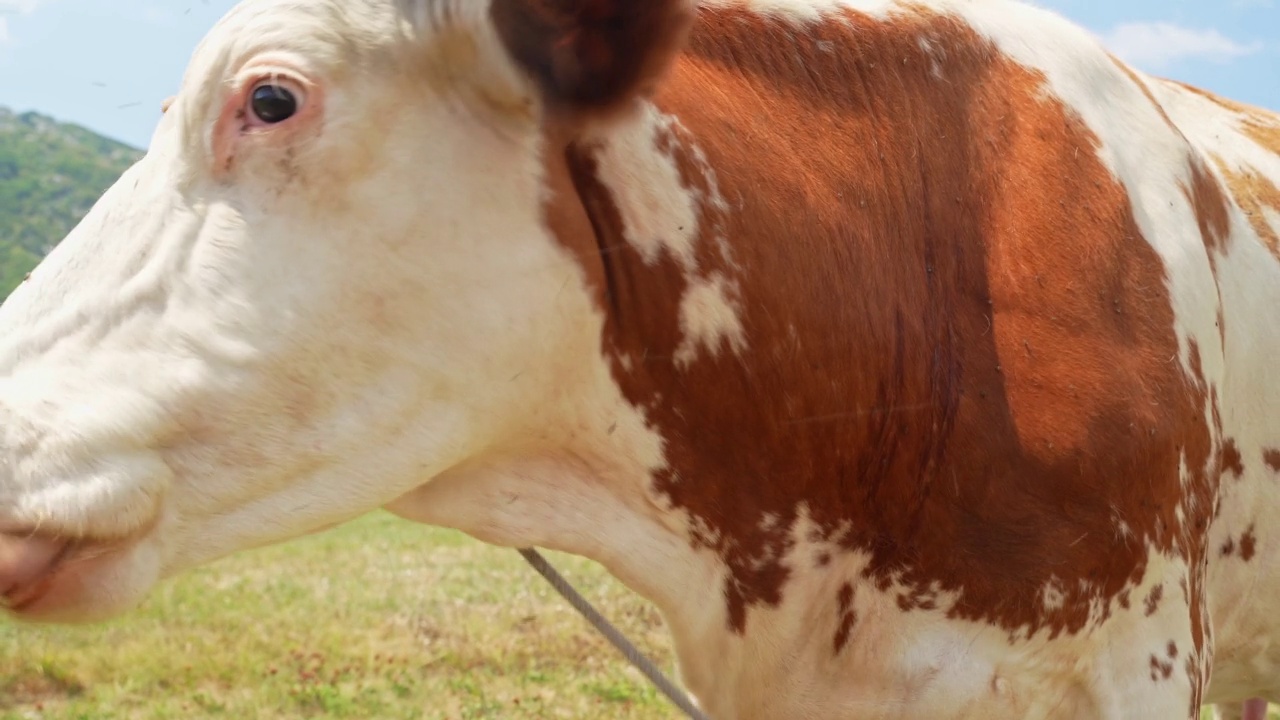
x=91, y=583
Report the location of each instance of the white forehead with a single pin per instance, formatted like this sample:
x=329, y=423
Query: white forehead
x=327, y=39
x=327, y=34
x=331, y=31
x=331, y=39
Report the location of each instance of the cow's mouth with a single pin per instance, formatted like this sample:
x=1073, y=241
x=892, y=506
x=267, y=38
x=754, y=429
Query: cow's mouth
x=41, y=574
x=23, y=597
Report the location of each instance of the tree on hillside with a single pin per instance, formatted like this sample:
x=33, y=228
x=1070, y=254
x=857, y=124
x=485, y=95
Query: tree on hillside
x=51, y=174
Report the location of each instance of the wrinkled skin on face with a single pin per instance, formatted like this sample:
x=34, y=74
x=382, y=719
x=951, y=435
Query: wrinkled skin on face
x=327, y=283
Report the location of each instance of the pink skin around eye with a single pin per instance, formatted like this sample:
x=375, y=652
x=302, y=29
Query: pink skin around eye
x=237, y=120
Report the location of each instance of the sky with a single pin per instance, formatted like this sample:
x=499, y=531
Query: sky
x=108, y=64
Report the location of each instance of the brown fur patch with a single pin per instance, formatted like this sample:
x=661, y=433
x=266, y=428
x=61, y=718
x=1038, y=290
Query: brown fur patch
x=1161, y=669
x=960, y=341
x=847, y=617
x=1248, y=544
x=1152, y=602
x=1232, y=461
x=1209, y=201
x=1265, y=130
x=1272, y=459
x=1254, y=191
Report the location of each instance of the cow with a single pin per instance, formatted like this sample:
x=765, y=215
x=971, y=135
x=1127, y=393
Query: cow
x=915, y=358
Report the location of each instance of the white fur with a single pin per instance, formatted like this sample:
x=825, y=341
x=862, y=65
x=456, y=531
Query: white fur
x=709, y=318
x=659, y=214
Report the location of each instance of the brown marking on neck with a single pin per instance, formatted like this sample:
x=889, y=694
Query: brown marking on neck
x=959, y=360
x=569, y=216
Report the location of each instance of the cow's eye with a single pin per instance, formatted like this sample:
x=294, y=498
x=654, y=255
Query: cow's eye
x=273, y=103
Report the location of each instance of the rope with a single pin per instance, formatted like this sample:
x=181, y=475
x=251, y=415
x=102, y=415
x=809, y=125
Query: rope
x=642, y=663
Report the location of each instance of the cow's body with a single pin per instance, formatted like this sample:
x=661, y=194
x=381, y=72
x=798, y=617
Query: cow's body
x=913, y=359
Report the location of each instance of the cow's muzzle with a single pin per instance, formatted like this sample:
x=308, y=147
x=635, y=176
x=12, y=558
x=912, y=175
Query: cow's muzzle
x=28, y=563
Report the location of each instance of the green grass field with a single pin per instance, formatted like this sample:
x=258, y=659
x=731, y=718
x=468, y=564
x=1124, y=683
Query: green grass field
x=379, y=619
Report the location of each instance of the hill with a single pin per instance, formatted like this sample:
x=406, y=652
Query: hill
x=51, y=173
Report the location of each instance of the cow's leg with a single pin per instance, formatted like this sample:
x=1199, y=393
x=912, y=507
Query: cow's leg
x=1254, y=709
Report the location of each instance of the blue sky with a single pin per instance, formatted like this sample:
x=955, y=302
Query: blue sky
x=107, y=64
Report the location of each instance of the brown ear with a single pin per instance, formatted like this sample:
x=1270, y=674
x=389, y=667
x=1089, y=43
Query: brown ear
x=588, y=56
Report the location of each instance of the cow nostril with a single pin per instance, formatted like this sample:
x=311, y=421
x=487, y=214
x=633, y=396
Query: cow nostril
x=26, y=559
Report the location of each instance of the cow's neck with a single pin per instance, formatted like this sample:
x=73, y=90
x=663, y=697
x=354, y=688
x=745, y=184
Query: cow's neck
x=642, y=211
x=588, y=475
x=592, y=497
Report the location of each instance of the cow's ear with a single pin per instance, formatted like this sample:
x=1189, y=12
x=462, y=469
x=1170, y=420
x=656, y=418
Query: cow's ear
x=591, y=56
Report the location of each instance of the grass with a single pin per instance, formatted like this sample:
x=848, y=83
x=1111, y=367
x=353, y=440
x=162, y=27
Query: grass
x=379, y=618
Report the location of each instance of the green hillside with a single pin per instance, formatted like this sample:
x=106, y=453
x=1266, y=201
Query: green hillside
x=51, y=173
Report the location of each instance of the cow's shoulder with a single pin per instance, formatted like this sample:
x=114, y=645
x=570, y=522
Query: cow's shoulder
x=888, y=273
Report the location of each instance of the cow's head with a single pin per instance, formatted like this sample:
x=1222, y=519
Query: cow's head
x=329, y=281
